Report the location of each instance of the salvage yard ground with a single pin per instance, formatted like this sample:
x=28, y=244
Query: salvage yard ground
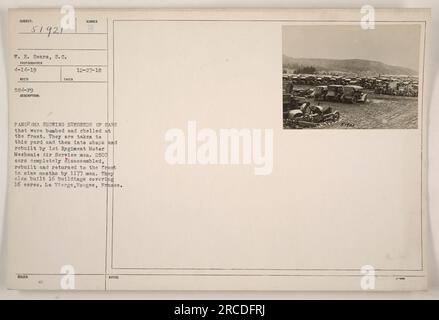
x=379, y=112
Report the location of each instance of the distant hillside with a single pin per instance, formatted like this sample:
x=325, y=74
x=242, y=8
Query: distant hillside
x=358, y=66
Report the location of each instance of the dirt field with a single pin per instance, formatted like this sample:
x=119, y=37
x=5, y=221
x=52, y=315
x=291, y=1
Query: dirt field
x=379, y=112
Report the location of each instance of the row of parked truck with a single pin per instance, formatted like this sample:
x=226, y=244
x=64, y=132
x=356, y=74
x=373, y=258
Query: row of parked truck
x=335, y=92
x=399, y=86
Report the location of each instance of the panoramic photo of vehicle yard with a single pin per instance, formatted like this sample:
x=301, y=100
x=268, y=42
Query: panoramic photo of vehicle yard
x=367, y=91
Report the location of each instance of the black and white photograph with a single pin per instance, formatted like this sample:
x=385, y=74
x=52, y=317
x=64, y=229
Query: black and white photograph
x=346, y=77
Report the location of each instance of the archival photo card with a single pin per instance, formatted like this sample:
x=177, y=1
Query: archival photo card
x=147, y=150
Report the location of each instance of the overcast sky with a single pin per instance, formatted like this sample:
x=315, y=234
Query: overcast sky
x=396, y=45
